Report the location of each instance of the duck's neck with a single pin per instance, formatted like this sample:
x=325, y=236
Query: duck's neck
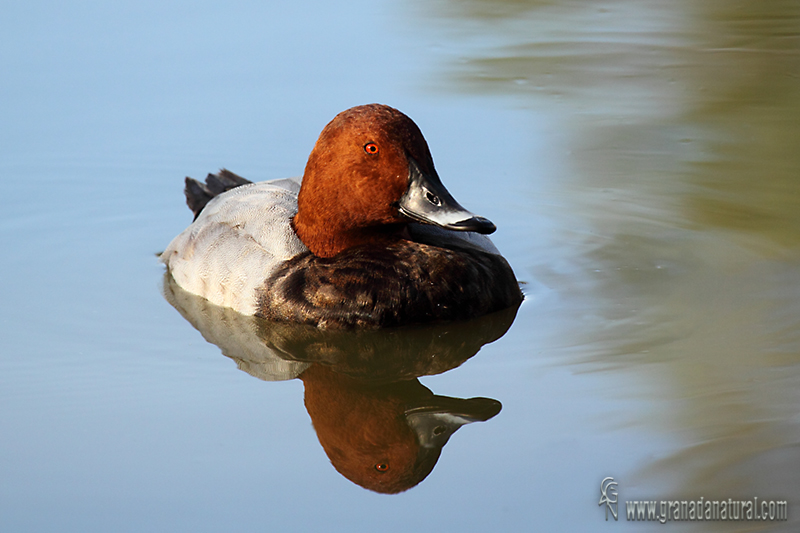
x=329, y=240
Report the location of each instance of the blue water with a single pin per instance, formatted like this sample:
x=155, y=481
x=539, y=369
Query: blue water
x=639, y=161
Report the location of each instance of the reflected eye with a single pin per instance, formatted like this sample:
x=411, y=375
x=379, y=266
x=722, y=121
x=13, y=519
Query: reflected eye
x=438, y=430
x=381, y=467
x=371, y=148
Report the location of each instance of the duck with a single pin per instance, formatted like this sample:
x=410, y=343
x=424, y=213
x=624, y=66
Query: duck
x=368, y=237
x=385, y=437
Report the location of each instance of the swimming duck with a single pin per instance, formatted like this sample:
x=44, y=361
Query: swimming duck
x=369, y=238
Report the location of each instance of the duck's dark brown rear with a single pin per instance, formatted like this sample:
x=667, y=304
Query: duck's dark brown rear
x=404, y=283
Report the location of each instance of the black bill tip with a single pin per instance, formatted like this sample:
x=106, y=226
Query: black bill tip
x=477, y=224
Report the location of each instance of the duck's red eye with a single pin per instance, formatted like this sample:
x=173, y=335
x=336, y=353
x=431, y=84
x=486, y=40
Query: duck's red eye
x=381, y=467
x=371, y=148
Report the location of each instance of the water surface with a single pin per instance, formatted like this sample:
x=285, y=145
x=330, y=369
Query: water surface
x=638, y=158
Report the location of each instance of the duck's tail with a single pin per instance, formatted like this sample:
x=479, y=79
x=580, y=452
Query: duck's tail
x=199, y=194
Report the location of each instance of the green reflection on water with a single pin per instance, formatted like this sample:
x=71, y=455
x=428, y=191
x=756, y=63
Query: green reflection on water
x=682, y=122
x=714, y=85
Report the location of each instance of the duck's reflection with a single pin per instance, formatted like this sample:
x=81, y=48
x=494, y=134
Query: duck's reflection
x=380, y=427
x=385, y=437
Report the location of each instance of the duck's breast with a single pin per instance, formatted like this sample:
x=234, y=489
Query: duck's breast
x=437, y=236
x=236, y=243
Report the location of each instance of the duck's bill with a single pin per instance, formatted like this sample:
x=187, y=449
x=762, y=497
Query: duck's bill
x=428, y=201
x=436, y=418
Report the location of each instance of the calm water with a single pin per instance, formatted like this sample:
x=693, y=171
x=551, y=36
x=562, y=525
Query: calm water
x=639, y=158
